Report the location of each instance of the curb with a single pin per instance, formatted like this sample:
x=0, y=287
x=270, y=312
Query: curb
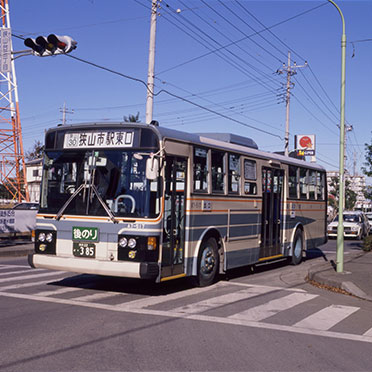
x=319, y=275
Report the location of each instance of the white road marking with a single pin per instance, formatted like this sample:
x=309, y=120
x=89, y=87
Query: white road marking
x=327, y=317
x=21, y=271
x=25, y=285
x=198, y=317
x=98, y=296
x=263, y=286
x=58, y=291
x=214, y=302
x=13, y=266
x=155, y=300
x=32, y=276
x=368, y=333
x=273, y=307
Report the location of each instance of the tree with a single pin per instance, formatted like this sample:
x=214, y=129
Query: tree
x=367, y=170
x=132, y=118
x=36, y=152
x=350, y=195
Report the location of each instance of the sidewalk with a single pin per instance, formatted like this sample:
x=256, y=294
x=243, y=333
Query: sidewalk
x=356, y=278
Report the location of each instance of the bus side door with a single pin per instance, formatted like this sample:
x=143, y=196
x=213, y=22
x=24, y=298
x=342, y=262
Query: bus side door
x=174, y=216
x=272, y=214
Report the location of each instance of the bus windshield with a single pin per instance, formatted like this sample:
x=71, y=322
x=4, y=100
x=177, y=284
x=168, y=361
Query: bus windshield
x=98, y=183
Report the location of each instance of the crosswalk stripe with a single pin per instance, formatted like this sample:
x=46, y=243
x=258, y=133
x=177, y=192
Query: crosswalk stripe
x=12, y=266
x=327, y=317
x=25, y=285
x=263, y=286
x=21, y=271
x=32, y=276
x=229, y=298
x=97, y=296
x=4, y=267
x=197, y=317
x=368, y=333
x=58, y=291
x=155, y=300
x=273, y=307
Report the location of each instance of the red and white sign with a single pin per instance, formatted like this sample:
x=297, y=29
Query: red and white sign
x=305, y=144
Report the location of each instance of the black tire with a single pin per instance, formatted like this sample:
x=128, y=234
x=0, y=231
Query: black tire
x=208, y=262
x=298, y=247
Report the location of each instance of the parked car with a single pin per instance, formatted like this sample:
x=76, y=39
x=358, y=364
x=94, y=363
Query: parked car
x=26, y=206
x=355, y=223
x=369, y=218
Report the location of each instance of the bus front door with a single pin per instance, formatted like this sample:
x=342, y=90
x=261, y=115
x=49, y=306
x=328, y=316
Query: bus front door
x=174, y=216
x=272, y=202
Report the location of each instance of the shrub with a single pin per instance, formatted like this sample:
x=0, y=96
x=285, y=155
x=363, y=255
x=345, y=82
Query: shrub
x=367, y=243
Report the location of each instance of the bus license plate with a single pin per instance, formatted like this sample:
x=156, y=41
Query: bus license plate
x=84, y=250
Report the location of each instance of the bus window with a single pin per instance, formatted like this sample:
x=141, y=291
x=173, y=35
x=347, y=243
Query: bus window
x=218, y=171
x=293, y=181
x=312, y=184
x=303, y=183
x=234, y=173
x=250, y=188
x=200, y=170
x=320, y=185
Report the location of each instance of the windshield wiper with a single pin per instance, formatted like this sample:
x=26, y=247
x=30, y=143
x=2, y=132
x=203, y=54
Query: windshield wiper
x=72, y=197
x=105, y=207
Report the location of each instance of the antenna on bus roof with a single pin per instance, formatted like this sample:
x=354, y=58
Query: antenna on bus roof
x=155, y=122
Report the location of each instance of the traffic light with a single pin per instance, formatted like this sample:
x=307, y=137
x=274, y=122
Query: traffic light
x=53, y=44
x=61, y=44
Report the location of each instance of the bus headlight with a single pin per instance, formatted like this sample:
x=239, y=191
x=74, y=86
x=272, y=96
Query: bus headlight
x=45, y=241
x=132, y=243
x=49, y=237
x=123, y=242
x=41, y=237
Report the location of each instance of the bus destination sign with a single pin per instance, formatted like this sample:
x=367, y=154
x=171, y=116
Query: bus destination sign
x=100, y=138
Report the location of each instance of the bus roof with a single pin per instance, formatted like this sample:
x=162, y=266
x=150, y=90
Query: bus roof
x=225, y=141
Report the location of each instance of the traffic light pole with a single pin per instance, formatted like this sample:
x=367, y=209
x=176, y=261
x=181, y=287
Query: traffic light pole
x=151, y=70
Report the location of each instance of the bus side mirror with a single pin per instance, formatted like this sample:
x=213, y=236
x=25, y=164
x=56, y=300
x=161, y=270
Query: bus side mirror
x=152, y=168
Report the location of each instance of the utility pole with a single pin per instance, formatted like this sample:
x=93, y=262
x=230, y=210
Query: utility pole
x=290, y=71
x=347, y=128
x=354, y=164
x=65, y=111
x=151, y=69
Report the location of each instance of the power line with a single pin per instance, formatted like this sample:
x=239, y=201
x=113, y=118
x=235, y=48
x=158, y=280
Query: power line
x=244, y=38
x=221, y=48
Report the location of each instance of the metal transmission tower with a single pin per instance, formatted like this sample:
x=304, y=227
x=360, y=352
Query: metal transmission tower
x=12, y=160
x=290, y=71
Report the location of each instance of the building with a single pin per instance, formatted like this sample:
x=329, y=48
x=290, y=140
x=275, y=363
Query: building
x=33, y=175
x=358, y=185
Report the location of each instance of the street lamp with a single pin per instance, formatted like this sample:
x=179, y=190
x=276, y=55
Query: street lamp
x=340, y=228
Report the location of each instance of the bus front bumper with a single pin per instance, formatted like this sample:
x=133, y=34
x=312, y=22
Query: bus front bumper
x=140, y=270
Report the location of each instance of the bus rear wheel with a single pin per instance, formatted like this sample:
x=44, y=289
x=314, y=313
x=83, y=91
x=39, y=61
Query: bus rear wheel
x=298, y=247
x=208, y=261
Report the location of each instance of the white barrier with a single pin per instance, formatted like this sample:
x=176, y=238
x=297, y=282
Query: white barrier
x=17, y=222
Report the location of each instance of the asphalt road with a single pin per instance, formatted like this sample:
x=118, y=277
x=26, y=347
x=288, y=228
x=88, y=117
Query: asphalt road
x=267, y=319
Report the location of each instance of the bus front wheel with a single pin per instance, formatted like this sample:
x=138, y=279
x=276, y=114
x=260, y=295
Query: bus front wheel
x=207, y=263
x=298, y=247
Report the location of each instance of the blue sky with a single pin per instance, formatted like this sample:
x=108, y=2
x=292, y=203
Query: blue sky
x=239, y=82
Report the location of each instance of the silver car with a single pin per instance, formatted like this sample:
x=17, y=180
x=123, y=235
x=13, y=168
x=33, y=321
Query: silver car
x=355, y=223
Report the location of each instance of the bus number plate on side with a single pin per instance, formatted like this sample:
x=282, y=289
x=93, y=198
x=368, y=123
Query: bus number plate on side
x=84, y=250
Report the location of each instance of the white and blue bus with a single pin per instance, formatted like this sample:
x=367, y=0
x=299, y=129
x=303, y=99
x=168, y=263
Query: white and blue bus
x=141, y=201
